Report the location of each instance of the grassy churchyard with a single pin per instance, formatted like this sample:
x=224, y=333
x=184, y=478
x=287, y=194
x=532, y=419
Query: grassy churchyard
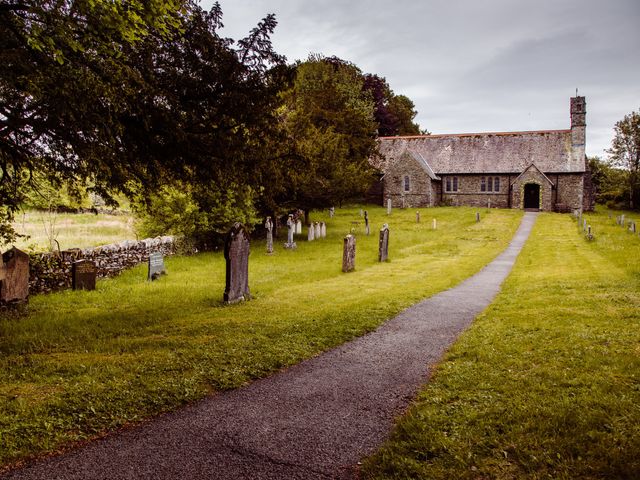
x=546, y=382
x=85, y=362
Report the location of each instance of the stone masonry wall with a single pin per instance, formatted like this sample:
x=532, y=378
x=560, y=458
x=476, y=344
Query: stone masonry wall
x=52, y=271
x=419, y=194
x=546, y=191
x=469, y=193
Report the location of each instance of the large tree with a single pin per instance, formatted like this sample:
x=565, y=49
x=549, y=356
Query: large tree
x=625, y=153
x=330, y=128
x=131, y=94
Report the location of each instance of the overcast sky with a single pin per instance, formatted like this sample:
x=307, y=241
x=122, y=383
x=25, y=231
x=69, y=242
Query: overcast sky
x=474, y=66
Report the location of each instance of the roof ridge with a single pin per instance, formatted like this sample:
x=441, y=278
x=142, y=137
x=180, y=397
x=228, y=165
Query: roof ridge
x=438, y=135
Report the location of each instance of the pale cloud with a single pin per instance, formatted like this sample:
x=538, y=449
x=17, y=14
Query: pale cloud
x=474, y=66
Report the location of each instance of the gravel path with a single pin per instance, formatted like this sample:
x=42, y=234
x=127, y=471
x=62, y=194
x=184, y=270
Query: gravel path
x=315, y=420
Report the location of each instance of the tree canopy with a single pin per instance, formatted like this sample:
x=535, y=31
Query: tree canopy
x=625, y=154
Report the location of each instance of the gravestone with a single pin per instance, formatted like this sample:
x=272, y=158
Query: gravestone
x=622, y=220
x=584, y=224
x=388, y=206
x=366, y=223
x=268, y=225
x=349, y=253
x=417, y=217
x=383, y=244
x=317, y=233
x=323, y=230
x=403, y=202
x=489, y=203
x=435, y=224
x=291, y=226
x=156, y=266
x=361, y=213
x=236, y=254
x=311, y=233
x=299, y=227
x=14, y=277
x=477, y=216
x=332, y=212
x=83, y=275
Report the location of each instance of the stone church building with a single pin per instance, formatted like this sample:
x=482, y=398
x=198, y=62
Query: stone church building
x=544, y=170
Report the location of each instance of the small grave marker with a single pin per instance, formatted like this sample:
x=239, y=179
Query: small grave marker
x=268, y=225
x=156, y=266
x=477, y=216
x=388, y=206
x=417, y=217
x=366, y=223
x=383, y=244
x=236, y=254
x=435, y=224
x=83, y=275
x=349, y=253
x=14, y=277
x=332, y=212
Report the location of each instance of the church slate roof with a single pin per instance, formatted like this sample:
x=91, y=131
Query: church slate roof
x=478, y=153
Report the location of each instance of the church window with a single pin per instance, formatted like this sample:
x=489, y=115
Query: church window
x=490, y=184
x=483, y=184
x=451, y=184
x=496, y=184
x=407, y=183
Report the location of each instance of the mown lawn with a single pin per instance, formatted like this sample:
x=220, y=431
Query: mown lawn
x=546, y=382
x=83, y=363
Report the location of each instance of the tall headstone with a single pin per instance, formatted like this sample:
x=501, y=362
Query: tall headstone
x=417, y=217
x=311, y=233
x=435, y=224
x=366, y=223
x=291, y=227
x=388, y=206
x=14, y=277
x=83, y=275
x=299, y=227
x=268, y=225
x=383, y=244
x=349, y=253
x=317, y=233
x=156, y=266
x=236, y=254
x=323, y=229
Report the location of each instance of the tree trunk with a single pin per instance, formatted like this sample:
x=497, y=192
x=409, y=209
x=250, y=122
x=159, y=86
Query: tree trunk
x=306, y=216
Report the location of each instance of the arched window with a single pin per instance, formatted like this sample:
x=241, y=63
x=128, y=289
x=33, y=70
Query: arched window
x=407, y=183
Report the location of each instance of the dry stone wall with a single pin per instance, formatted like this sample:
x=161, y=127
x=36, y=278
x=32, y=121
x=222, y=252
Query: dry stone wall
x=52, y=271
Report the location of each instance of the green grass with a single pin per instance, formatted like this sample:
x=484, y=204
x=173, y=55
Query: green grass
x=82, y=363
x=71, y=230
x=546, y=382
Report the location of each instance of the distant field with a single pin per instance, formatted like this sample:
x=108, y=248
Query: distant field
x=82, y=363
x=546, y=382
x=71, y=230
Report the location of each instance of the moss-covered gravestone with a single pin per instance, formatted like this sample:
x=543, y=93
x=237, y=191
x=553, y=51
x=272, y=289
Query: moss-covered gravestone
x=349, y=254
x=236, y=254
x=14, y=277
x=156, y=266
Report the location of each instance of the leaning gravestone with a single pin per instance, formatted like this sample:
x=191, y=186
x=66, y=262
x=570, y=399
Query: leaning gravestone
x=156, y=266
x=383, y=244
x=236, y=254
x=349, y=253
x=14, y=277
x=83, y=275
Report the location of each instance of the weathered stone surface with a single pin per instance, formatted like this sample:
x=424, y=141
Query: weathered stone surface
x=323, y=229
x=156, y=266
x=291, y=228
x=311, y=233
x=349, y=253
x=14, y=277
x=299, y=227
x=317, y=231
x=236, y=254
x=83, y=275
x=389, y=204
x=268, y=225
x=383, y=244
